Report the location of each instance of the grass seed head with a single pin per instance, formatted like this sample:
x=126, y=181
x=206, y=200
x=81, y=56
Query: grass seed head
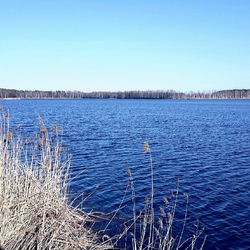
x=146, y=147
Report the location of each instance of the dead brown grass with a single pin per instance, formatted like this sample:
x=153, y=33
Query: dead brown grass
x=34, y=210
x=35, y=213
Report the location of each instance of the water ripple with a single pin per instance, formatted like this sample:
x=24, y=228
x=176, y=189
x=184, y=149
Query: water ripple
x=204, y=143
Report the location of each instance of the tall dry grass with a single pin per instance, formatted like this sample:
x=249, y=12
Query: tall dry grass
x=36, y=214
x=34, y=209
x=150, y=231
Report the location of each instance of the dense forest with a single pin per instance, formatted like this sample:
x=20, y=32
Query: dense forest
x=150, y=94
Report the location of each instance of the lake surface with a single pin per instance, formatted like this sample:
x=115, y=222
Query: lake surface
x=206, y=143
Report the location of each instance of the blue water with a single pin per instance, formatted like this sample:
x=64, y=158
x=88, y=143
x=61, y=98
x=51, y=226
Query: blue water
x=206, y=143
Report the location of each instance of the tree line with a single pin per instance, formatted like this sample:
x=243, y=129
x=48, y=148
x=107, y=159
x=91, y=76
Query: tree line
x=149, y=94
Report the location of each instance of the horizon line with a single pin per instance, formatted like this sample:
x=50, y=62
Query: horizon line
x=131, y=90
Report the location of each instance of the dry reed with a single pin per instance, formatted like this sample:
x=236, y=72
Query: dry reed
x=35, y=213
x=149, y=231
x=34, y=210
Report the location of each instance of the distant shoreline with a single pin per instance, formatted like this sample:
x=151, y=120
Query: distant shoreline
x=95, y=98
x=11, y=98
x=13, y=94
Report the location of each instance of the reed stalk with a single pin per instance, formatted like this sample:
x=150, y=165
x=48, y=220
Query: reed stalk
x=35, y=212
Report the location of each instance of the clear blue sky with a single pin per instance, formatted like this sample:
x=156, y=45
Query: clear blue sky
x=125, y=45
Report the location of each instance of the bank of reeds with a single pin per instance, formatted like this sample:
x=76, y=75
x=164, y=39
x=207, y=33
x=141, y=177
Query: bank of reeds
x=34, y=209
x=35, y=212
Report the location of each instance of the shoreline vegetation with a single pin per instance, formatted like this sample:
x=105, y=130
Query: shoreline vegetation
x=11, y=94
x=36, y=211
